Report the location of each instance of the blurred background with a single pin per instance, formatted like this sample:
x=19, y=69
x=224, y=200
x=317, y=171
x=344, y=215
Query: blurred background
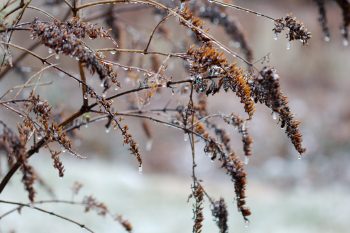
x=285, y=194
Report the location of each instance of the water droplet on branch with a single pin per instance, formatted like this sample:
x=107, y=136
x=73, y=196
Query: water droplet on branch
x=149, y=145
x=274, y=115
x=246, y=160
x=288, y=47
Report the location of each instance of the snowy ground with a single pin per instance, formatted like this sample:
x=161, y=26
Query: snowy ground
x=158, y=203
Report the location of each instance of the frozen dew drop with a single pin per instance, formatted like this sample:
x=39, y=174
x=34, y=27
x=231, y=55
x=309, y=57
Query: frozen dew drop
x=345, y=42
x=274, y=115
x=26, y=69
x=101, y=55
x=182, y=6
x=185, y=137
x=85, y=96
x=86, y=125
x=50, y=50
x=327, y=39
x=299, y=157
x=275, y=37
x=244, y=126
x=149, y=145
x=288, y=45
x=258, y=14
x=113, y=52
x=140, y=170
x=343, y=31
x=246, y=160
x=108, y=130
x=102, y=84
x=246, y=224
x=63, y=150
x=57, y=56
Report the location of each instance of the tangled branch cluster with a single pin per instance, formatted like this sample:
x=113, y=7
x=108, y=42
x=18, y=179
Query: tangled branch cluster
x=210, y=68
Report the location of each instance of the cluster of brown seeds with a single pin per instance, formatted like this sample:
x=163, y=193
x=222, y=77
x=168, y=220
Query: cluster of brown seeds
x=295, y=29
x=67, y=38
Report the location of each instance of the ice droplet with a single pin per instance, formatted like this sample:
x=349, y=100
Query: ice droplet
x=288, y=45
x=275, y=37
x=274, y=115
x=57, y=56
x=182, y=6
x=246, y=224
x=299, y=157
x=185, y=137
x=113, y=52
x=140, y=170
x=50, y=50
x=108, y=130
x=85, y=96
x=246, y=160
x=327, y=39
x=345, y=42
x=149, y=145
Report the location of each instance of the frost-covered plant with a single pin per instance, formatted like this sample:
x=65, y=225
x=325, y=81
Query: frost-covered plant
x=210, y=67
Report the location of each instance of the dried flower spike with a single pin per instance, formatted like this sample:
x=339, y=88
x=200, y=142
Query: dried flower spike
x=295, y=29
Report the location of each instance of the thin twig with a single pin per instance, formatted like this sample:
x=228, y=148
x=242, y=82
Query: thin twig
x=154, y=30
x=48, y=212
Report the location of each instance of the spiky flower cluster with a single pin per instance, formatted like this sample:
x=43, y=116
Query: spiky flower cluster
x=67, y=38
x=198, y=216
x=247, y=140
x=295, y=29
x=220, y=214
x=206, y=60
x=266, y=89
